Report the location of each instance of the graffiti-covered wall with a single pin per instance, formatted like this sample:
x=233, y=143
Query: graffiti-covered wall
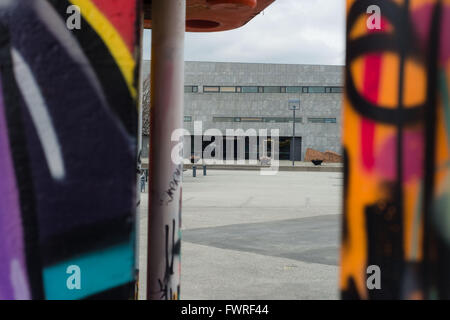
x=68, y=122
x=396, y=135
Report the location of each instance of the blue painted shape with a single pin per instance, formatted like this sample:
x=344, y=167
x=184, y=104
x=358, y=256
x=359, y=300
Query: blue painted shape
x=100, y=271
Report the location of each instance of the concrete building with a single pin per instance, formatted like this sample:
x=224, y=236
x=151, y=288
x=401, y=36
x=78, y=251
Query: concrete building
x=256, y=96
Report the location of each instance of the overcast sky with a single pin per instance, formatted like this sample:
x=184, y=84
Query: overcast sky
x=288, y=31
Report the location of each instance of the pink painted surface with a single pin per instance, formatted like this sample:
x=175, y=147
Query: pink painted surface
x=412, y=157
x=13, y=284
x=422, y=17
x=371, y=85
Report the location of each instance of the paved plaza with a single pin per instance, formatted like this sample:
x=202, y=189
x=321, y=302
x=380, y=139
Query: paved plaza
x=248, y=236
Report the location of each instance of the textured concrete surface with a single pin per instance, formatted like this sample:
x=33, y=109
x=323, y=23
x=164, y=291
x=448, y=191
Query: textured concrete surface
x=310, y=239
x=247, y=236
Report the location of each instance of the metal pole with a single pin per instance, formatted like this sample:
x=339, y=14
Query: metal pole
x=138, y=173
x=163, y=267
x=293, y=137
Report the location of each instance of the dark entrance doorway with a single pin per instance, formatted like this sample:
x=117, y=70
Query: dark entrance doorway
x=296, y=153
x=286, y=147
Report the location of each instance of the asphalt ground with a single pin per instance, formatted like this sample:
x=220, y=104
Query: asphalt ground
x=250, y=236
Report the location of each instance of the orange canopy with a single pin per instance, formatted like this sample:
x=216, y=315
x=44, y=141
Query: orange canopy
x=214, y=15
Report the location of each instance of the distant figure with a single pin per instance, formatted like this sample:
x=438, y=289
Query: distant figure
x=265, y=161
x=143, y=182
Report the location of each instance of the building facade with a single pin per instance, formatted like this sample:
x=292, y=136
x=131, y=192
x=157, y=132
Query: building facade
x=257, y=96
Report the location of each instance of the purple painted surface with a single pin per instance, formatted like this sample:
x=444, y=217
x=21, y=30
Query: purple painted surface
x=13, y=281
x=422, y=22
x=413, y=146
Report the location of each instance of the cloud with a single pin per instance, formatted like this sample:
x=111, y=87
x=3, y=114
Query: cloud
x=288, y=31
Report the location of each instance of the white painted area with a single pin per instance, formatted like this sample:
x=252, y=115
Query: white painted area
x=18, y=281
x=5, y=3
x=58, y=29
x=41, y=118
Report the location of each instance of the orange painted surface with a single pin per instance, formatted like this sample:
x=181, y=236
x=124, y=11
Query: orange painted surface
x=219, y=15
x=396, y=141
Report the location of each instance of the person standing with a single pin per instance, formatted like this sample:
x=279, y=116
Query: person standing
x=143, y=178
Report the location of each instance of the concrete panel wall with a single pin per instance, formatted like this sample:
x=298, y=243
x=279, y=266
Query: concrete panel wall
x=204, y=106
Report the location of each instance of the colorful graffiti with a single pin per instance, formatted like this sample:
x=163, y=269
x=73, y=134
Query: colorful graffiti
x=396, y=137
x=68, y=136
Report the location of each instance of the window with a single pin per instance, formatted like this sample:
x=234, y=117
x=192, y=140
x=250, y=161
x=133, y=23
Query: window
x=293, y=89
x=227, y=89
x=322, y=120
x=190, y=89
x=316, y=89
x=223, y=119
x=337, y=90
x=272, y=89
x=250, y=89
x=334, y=90
x=260, y=119
x=248, y=119
x=210, y=89
x=265, y=89
x=282, y=119
x=187, y=118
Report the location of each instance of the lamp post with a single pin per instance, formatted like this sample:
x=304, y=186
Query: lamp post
x=293, y=105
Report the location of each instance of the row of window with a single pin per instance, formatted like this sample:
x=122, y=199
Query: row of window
x=256, y=119
x=322, y=120
x=263, y=89
x=266, y=119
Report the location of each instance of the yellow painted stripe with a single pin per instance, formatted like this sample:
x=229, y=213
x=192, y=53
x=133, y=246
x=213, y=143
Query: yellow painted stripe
x=111, y=38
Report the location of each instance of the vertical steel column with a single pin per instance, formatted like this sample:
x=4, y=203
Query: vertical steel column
x=293, y=137
x=167, y=81
x=139, y=164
